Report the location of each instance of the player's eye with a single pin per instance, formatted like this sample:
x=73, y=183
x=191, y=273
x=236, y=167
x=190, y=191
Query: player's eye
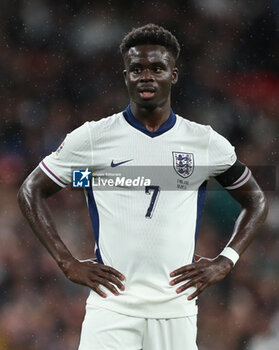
x=136, y=70
x=158, y=69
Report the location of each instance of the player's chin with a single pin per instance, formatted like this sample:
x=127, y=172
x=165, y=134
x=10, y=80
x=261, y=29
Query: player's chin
x=147, y=103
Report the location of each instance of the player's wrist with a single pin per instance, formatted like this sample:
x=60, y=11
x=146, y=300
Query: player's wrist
x=231, y=254
x=66, y=262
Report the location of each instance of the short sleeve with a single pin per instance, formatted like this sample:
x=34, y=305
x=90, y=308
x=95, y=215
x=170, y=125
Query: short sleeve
x=73, y=153
x=221, y=154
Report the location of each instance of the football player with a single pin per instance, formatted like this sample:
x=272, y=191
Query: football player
x=145, y=282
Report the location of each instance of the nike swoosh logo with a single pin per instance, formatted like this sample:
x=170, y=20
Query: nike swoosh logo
x=113, y=165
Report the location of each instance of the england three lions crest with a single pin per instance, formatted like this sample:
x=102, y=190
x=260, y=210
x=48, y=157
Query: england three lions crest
x=183, y=163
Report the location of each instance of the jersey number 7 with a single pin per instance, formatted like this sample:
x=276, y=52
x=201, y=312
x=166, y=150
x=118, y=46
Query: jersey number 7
x=153, y=201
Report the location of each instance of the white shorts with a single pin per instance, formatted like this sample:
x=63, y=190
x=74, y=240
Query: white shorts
x=107, y=330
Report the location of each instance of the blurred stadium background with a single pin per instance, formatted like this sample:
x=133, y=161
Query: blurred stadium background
x=60, y=66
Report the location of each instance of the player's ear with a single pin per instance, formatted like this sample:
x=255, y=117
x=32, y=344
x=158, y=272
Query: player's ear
x=125, y=75
x=174, y=75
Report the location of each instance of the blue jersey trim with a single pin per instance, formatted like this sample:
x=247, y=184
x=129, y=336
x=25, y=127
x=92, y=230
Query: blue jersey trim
x=128, y=115
x=94, y=216
x=200, y=201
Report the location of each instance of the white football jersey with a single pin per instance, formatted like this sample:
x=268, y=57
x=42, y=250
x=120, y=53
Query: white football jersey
x=148, y=228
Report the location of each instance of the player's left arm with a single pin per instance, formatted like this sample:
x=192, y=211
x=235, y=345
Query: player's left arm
x=205, y=272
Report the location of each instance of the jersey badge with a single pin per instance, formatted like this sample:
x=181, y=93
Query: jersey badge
x=183, y=163
x=59, y=149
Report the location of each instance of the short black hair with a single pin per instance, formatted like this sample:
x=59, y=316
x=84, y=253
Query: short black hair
x=150, y=34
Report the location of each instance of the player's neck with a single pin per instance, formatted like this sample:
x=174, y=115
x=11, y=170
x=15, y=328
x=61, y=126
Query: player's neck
x=153, y=118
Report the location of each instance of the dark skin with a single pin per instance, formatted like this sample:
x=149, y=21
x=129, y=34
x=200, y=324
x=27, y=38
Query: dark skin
x=149, y=75
x=32, y=198
x=205, y=272
x=150, y=69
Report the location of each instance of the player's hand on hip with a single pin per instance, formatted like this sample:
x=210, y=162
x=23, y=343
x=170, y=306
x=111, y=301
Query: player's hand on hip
x=201, y=273
x=93, y=275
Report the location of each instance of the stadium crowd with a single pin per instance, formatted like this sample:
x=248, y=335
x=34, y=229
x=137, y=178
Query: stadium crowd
x=60, y=66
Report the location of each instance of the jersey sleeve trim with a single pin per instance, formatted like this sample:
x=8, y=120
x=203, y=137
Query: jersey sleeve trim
x=241, y=180
x=50, y=174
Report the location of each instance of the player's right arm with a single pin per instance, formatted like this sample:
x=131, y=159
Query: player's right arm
x=32, y=199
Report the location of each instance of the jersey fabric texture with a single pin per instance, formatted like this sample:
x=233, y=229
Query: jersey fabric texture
x=144, y=232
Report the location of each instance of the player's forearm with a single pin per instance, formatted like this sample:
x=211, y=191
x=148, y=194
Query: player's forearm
x=253, y=214
x=34, y=207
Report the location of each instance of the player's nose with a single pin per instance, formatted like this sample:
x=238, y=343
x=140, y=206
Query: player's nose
x=147, y=75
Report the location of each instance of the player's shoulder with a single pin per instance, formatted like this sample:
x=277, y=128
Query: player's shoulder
x=205, y=133
x=193, y=127
x=84, y=132
x=105, y=123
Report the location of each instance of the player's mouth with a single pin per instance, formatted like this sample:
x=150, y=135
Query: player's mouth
x=147, y=93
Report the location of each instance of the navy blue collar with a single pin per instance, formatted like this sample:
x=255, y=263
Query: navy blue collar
x=128, y=115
